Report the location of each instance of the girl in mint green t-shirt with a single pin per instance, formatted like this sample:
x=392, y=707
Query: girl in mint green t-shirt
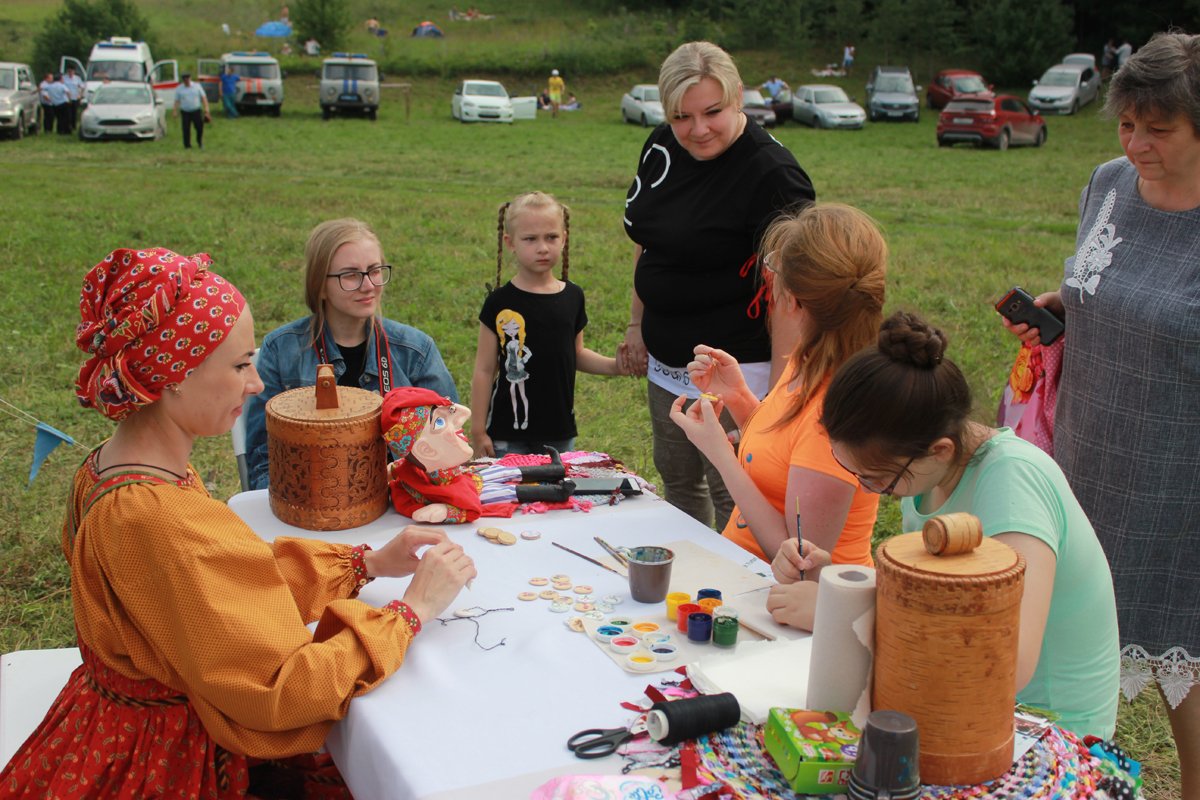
x=897, y=417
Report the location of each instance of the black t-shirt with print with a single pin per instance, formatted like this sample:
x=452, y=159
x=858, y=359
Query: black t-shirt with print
x=536, y=356
x=700, y=224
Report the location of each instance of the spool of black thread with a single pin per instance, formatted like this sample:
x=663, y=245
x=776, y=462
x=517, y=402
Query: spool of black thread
x=670, y=723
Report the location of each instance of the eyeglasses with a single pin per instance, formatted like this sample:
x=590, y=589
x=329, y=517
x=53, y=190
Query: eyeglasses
x=870, y=485
x=352, y=280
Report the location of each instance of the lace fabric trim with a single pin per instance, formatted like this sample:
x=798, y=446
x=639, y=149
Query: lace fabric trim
x=1175, y=671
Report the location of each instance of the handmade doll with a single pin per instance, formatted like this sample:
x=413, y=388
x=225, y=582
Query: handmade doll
x=429, y=479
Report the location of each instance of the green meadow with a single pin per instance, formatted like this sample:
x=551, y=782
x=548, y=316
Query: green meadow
x=963, y=226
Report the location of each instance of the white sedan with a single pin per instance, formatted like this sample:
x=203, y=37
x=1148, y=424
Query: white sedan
x=123, y=111
x=641, y=104
x=481, y=101
x=825, y=106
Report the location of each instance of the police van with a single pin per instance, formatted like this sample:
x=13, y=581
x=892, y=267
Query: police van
x=349, y=82
x=260, y=81
x=122, y=59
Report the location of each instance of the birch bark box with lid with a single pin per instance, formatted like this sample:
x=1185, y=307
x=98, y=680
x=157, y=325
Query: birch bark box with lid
x=947, y=622
x=327, y=460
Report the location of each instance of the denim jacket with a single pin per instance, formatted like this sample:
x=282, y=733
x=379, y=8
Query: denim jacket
x=287, y=360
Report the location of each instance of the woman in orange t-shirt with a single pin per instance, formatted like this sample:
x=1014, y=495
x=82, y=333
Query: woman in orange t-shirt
x=826, y=265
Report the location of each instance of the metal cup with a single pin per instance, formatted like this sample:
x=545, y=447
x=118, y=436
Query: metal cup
x=649, y=573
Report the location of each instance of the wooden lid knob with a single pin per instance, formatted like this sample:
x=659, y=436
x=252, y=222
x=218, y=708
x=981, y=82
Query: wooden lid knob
x=951, y=534
x=327, y=394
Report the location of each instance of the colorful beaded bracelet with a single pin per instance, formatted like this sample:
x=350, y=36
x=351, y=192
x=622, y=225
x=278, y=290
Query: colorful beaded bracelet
x=407, y=614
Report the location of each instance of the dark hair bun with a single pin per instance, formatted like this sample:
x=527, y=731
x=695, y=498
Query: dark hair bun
x=908, y=339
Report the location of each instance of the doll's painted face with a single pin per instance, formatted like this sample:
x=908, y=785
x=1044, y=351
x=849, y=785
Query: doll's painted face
x=442, y=444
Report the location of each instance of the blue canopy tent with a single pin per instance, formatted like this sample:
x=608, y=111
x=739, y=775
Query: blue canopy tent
x=428, y=29
x=277, y=29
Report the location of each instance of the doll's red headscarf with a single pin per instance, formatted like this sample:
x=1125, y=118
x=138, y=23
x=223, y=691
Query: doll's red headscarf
x=148, y=318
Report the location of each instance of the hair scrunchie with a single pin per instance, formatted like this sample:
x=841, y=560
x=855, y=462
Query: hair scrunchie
x=147, y=319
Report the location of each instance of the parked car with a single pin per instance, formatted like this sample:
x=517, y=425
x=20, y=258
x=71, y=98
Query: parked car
x=20, y=108
x=998, y=122
x=641, y=104
x=119, y=58
x=1082, y=59
x=123, y=111
x=260, y=80
x=825, y=106
x=349, y=83
x=891, y=95
x=481, y=101
x=1064, y=88
x=757, y=108
x=953, y=83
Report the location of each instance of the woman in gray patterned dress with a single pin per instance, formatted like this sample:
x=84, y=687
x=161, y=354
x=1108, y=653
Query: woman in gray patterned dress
x=1127, y=428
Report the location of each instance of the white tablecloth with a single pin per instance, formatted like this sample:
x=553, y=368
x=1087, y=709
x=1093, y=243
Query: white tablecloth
x=456, y=721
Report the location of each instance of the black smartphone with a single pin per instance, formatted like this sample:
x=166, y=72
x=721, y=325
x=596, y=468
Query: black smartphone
x=1017, y=307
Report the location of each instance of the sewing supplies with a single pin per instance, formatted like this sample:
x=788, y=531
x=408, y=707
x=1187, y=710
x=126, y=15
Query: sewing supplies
x=327, y=458
x=473, y=614
x=674, y=600
x=649, y=572
x=961, y=697
x=814, y=750
x=699, y=626
x=601, y=742
x=587, y=558
x=799, y=538
x=839, y=675
x=672, y=722
x=887, y=758
x=682, y=614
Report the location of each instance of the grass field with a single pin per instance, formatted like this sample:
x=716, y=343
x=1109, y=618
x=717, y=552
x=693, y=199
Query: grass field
x=963, y=226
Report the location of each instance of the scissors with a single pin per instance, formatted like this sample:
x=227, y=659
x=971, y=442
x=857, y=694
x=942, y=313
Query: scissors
x=601, y=742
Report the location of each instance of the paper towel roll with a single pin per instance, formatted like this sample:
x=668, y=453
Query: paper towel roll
x=843, y=644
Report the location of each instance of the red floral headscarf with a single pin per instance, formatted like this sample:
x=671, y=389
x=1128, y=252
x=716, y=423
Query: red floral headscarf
x=148, y=318
x=405, y=414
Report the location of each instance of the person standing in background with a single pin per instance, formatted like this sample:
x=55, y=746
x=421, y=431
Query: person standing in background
x=191, y=102
x=555, y=88
x=47, y=106
x=75, y=87
x=229, y=88
x=60, y=100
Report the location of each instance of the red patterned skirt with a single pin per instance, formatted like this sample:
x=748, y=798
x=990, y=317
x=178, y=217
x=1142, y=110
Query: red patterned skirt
x=108, y=736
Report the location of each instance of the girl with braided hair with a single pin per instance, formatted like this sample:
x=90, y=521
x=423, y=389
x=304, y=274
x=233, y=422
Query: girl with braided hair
x=827, y=268
x=531, y=337
x=898, y=419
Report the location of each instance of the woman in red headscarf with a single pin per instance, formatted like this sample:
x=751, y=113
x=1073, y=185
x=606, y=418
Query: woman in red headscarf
x=197, y=664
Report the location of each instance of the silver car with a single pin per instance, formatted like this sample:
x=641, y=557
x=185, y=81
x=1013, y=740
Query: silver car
x=891, y=95
x=825, y=106
x=20, y=107
x=123, y=111
x=641, y=105
x=1064, y=89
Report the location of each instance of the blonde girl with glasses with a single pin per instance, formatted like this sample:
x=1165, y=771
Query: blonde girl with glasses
x=344, y=278
x=531, y=337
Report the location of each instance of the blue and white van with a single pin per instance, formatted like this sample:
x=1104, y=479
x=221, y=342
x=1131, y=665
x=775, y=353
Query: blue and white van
x=122, y=59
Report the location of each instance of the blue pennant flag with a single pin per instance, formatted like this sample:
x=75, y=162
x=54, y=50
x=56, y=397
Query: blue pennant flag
x=47, y=439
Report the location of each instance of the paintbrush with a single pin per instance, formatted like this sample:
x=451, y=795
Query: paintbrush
x=768, y=636
x=612, y=551
x=799, y=539
x=588, y=558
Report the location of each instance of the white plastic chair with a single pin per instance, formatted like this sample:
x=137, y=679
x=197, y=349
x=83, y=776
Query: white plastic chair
x=29, y=682
x=239, y=439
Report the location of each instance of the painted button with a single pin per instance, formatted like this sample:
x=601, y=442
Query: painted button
x=560, y=578
x=530, y=535
x=584, y=598
x=583, y=607
x=527, y=596
x=474, y=611
x=506, y=538
x=583, y=588
x=575, y=624
x=596, y=615
x=560, y=608
x=604, y=608
x=613, y=599
x=549, y=594
x=538, y=581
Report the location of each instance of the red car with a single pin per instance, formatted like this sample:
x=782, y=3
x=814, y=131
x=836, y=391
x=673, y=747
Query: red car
x=952, y=83
x=998, y=122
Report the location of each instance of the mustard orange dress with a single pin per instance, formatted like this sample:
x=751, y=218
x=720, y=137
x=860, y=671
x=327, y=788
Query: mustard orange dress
x=195, y=650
